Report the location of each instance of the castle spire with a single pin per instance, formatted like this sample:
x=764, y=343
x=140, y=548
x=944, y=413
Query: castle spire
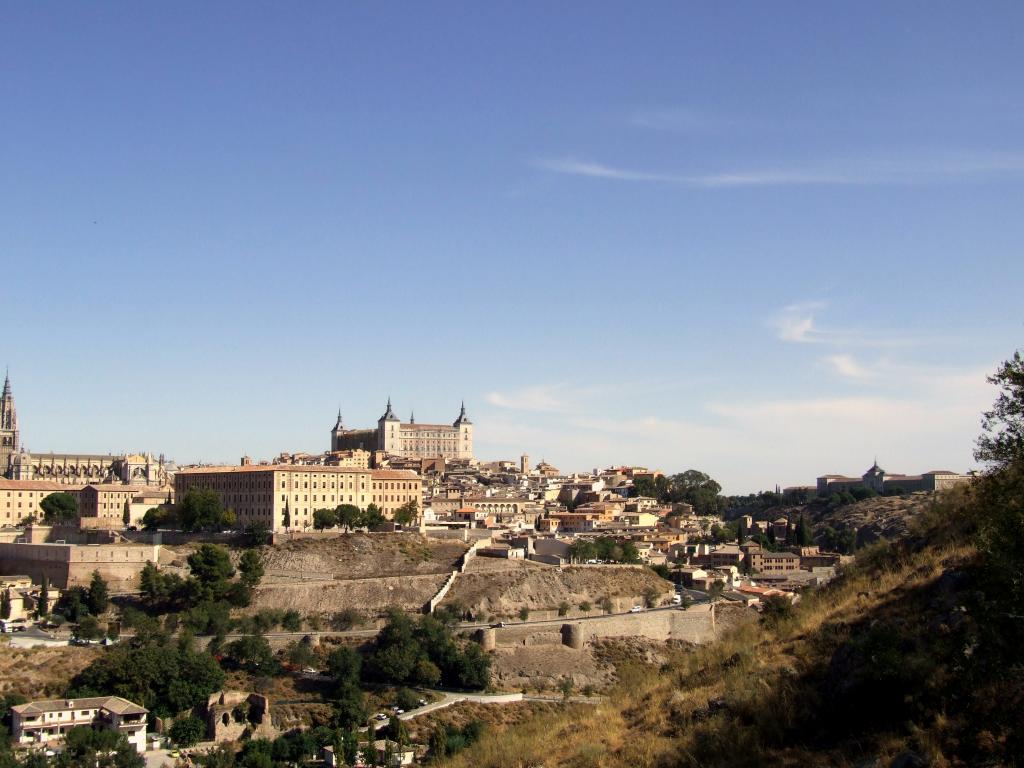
x=389, y=414
x=338, y=425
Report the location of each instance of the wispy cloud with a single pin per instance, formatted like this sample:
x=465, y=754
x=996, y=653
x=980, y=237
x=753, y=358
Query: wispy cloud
x=860, y=172
x=677, y=119
x=797, y=323
x=542, y=398
x=847, y=366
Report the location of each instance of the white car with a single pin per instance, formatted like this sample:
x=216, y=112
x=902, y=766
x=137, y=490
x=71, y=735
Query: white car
x=636, y=609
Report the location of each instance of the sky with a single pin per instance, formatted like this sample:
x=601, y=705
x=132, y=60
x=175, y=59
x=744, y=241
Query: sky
x=767, y=241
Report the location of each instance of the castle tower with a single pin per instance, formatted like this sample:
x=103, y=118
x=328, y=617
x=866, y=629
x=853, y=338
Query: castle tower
x=524, y=464
x=389, y=437
x=336, y=433
x=9, y=434
x=465, y=437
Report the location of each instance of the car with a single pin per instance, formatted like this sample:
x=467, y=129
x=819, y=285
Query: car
x=399, y=711
x=636, y=609
x=498, y=625
x=423, y=702
x=310, y=671
x=380, y=716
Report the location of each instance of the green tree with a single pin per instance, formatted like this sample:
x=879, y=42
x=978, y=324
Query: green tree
x=803, y=532
x=250, y=568
x=89, y=628
x=211, y=567
x=606, y=604
x=324, y=518
x=98, y=596
x=563, y=608
x=699, y=490
x=253, y=653
x=1002, y=439
x=43, y=603
x=157, y=517
x=102, y=748
x=524, y=613
x=126, y=516
x=372, y=517
x=187, y=731
x=291, y=621
x=286, y=516
x=200, y=510
x=5, y=604
x=59, y=508
x=345, y=665
x=348, y=515
x=73, y=603
x=406, y=514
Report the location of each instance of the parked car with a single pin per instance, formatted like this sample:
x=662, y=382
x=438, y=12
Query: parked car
x=380, y=716
x=636, y=609
x=498, y=625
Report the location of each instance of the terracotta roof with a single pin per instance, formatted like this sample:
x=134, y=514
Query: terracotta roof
x=111, y=703
x=303, y=468
x=37, y=485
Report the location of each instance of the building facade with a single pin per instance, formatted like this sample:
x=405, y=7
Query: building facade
x=879, y=481
x=41, y=722
x=284, y=496
x=408, y=440
x=9, y=435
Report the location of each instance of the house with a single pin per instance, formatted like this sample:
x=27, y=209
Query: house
x=774, y=562
x=39, y=722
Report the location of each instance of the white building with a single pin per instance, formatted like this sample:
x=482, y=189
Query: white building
x=39, y=722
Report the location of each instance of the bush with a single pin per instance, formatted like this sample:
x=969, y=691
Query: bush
x=524, y=613
x=187, y=731
x=563, y=608
x=585, y=606
x=291, y=621
x=407, y=699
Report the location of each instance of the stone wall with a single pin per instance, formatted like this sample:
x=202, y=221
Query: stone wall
x=372, y=596
x=694, y=625
x=70, y=565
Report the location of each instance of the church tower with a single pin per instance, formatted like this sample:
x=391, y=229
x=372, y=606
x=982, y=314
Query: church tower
x=9, y=435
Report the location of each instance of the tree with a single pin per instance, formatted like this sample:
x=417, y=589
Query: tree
x=89, y=628
x=606, y=604
x=699, y=490
x=407, y=513
x=740, y=531
x=187, y=731
x=258, y=534
x=43, y=603
x=348, y=515
x=372, y=517
x=345, y=665
x=157, y=517
x=73, y=603
x=1002, y=441
x=211, y=565
x=58, y=508
x=250, y=568
x=324, y=518
x=252, y=652
x=126, y=516
x=286, y=517
x=201, y=510
x=524, y=613
x=291, y=621
x=803, y=532
x=98, y=596
x=5, y=604
x=103, y=748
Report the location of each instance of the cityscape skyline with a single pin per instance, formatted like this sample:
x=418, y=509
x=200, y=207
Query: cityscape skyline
x=693, y=237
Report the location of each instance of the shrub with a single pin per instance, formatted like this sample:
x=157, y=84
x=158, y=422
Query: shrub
x=187, y=731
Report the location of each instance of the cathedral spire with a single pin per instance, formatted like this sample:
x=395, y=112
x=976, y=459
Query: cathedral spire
x=338, y=425
x=7, y=382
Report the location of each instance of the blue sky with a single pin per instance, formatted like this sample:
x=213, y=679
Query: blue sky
x=764, y=240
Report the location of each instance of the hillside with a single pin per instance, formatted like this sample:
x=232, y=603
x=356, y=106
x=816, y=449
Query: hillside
x=909, y=659
x=502, y=588
x=348, y=556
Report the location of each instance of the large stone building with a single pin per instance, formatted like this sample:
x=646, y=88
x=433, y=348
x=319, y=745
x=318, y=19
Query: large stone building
x=879, y=481
x=264, y=493
x=408, y=440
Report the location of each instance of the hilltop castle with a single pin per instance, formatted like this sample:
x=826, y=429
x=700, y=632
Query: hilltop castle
x=408, y=440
